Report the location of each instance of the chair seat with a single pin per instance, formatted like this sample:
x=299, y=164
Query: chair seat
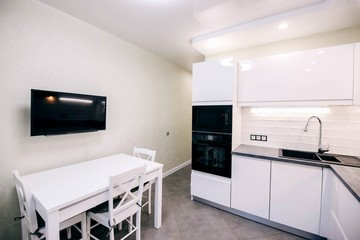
x=146, y=185
x=104, y=207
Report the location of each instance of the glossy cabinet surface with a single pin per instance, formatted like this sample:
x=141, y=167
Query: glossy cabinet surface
x=250, y=186
x=211, y=187
x=296, y=195
x=340, y=210
x=212, y=82
x=318, y=75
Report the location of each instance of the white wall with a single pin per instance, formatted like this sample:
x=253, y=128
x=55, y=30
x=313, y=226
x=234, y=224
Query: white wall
x=43, y=48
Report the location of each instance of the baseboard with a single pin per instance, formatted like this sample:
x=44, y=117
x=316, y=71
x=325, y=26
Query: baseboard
x=177, y=168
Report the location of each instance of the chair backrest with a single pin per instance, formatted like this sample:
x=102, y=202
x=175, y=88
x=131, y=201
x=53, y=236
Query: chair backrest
x=121, y=185
x=26, y=203
x=144, y=153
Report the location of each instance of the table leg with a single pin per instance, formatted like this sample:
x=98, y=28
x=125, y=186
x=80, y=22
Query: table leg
x=158, y=200
x=52, y=226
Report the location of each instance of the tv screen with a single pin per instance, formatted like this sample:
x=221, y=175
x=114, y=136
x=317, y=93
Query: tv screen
x=55, y=113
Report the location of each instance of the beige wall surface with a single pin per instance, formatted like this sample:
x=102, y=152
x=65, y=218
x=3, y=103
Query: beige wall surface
x=43, y=48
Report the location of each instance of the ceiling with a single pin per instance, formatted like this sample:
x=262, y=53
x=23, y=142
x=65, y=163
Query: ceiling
x=183, y=31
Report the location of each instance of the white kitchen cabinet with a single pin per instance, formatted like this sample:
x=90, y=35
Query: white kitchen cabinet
x=250, y=185
x=348, y=213
x=211, y=187
x=318, y=76
x=212, y=83
x=295, y=198
x=340, y=213
x=330, y=227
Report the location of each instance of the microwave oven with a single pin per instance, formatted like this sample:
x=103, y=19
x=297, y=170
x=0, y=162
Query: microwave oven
x=216, y=118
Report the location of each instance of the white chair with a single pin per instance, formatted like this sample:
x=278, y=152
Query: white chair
x=30, y=226
x=122, y=203
x=147, y=155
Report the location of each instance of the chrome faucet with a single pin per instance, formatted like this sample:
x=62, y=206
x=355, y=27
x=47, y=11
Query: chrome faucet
x=320, y=149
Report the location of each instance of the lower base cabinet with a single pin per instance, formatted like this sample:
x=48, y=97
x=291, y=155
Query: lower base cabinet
x=211, y=187
x=296, y=196
x=340, y=216
x=309, y=198
x=250, y=185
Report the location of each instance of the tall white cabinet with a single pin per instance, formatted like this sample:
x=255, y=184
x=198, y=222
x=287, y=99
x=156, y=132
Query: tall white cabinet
x=212, y=84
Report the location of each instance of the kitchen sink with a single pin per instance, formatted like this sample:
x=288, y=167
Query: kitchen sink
x=308, y=156
x=328, y=158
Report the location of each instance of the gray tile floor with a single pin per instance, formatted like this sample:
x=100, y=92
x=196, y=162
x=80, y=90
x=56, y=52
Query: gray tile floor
x=184, y=219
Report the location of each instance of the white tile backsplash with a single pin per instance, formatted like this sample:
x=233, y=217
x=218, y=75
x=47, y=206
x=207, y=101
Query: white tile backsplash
x=341, y=129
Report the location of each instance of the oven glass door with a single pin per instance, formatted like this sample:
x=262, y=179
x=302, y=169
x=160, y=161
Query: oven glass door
x=211, y=153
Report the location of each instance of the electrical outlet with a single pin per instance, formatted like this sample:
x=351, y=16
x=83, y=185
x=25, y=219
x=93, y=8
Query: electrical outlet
x=255, y=137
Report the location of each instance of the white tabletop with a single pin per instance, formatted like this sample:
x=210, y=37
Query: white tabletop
x=60, y=187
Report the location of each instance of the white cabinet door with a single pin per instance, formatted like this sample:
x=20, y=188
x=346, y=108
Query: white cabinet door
x=325, y=74
x=340, y=210
x=296, y=195
x=329, y=227
x=348, y=213
x=211, y=187
x=212, y=82
x=250, y=185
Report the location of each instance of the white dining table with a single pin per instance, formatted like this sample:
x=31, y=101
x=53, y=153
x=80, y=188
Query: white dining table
x=64, y=192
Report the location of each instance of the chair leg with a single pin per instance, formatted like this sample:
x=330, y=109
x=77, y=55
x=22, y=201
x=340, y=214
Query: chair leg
x=83, y=227
x=24, y=231
x=120, y=226
x=130, y=226
x=149, y=200
x=138, y=222
x=112, y=236
x=88, y=222
x=68, y=232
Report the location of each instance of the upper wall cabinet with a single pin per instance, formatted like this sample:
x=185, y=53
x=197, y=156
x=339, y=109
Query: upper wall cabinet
x=213, y=82
x=320, y=76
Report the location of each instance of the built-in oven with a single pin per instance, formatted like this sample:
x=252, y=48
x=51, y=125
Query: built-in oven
x=211, y=153
x=211, y=139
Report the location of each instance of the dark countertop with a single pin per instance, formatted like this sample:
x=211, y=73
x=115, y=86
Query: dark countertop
x=349, y=175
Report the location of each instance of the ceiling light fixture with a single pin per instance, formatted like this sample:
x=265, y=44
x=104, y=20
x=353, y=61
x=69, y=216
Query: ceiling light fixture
x=283, y=26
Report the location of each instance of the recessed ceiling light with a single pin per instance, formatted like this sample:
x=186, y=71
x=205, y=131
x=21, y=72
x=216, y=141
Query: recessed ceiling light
x=213, y=43
x=283, y=26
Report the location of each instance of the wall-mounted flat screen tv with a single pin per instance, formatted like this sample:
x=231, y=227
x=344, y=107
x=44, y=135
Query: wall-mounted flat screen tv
x=55, y=113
